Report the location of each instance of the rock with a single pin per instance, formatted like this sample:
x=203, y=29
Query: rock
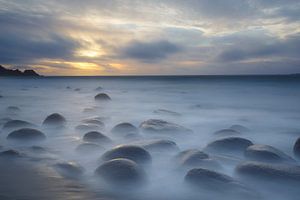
x=132, y=152
x=94, y=121
x=16, y=124
x=194, y=158
x=268, y=172
x=166, y=112
x=227, y=132
x=10, y=154
x=162, y=127
x=55, y=120
x=96, y=137
x=102, y=97
x=161, y=146
x=77, y=89
x=121, y=173
x=297, y=148
x=239, y=128
x=266, y=153
x=69, y=169
x=229, y=145
x=89, y=147
x=87, y=127
x=124, y=129
x=99, y=88
x=13, y=109
x=26, y=134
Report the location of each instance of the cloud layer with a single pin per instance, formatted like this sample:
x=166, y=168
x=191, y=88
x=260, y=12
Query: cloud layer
x=98, y=37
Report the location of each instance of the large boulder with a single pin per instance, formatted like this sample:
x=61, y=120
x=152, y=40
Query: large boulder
x=266, y=153
x=102, y=97
x=69, y=169
x=96, y=137
x=26, y=134
x=162, y=127
x=260, y=171
x=124, y=129
x=16, y=124
x=227, y=132
x=160, y=146
x=122, y=173
x=55, y=120
x=297, y=148
x=195, y=158
x=229, y=145
x=132, y=152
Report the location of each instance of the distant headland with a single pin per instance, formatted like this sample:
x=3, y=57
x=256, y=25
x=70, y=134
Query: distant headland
x=17, y=72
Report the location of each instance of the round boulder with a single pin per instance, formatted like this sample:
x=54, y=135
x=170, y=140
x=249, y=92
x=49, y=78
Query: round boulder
x=297, y=148
x=16, y=124
x=227, y=132
x=10, y=154
x=102, y=97
x=239, y=128
x=26, y=134
x=124, y=129
x=121, y=172
x=135, y=153
x=55, y=120
x=266, y=153
x=97, y=137
x=162, y=127
x=235, y=145
x=161, y=146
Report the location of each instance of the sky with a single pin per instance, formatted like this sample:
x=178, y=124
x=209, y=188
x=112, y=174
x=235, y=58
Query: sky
x=151, y=37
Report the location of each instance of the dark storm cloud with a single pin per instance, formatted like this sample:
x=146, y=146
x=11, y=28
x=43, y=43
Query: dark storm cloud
x=272, y=48
x=25, y=38
x=149, y=51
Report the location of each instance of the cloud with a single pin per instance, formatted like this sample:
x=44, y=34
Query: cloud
x=149, y=51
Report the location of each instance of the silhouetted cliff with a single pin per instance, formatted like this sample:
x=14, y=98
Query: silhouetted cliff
x=16, y=72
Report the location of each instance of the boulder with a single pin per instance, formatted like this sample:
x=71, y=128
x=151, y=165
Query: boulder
x=55, y=120
x=98, y=88
x=227, y=132
x=266, y=153
x=16, y=124
x=132, y=152
x=160, y=146
x=162, y=127
x=297, y=148
x=26, y=134
x=13, y=109
x=239, y=128
x=236, y=145
x=102, y=97
x=88, y=147
x=10, y=154
x=69, y=169
x=124, y=129
x=96, y=137
x=121, y=173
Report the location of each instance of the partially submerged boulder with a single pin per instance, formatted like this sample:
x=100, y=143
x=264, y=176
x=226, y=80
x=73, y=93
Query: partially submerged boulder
x=160, y=146
x=121, y=173
x=55, y=120
x=297, y=148
x=239, y=128
x=16, y=124
x=89, y=147
x=102, y=97
x=227, y=132
x=124, y=129
x=26, y=134
x=96, y=137
x=132, y=152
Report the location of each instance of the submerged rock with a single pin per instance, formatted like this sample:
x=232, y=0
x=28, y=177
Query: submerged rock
x=96, y=137
x=166, y=112
x=135, y=153
x=88, y=127
x=227, y=132
x=10, y=154
x=124, y=129
x=229, y=145
x=164, y=127
x=266, y=153
x=13, y=109
x=89, y=147
x=160, y=146
x=26, y=134
x=69, y=169
x=122, y=173
x=16, y=124
x=98, y=88
x=239, y=128
x=297, y=148
x=102, y=97
x=55, y=120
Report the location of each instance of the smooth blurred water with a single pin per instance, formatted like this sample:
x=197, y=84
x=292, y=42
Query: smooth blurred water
x=267, y=105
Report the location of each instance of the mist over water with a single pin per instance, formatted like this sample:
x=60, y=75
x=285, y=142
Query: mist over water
x=266, y=105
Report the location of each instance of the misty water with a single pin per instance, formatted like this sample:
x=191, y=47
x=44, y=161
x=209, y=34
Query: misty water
x=267, y=106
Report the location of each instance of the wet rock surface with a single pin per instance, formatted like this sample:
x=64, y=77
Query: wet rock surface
x=55, y=120
x=102, y=97
x=26, y=134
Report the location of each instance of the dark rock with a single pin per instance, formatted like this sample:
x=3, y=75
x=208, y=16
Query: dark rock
x=229, y=145
x=55, y=120
x=102, y=97
x=239, y=128
x=161, y=126
x=13, y=109
x=16, y=124
x=77, y=89
x=69, y=169
x=124, y=129
x=266, y=153
x=97, y=137
x=89, y=147
x=297, y=148
x=29, y=72
x=161, y=146
x=10, y=154
x=135, y=153
x=122, y=173
x=227, y=132
x=268, y=172
x=26, y=134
